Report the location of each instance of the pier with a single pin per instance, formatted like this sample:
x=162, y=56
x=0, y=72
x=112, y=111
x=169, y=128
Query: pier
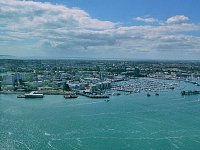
x=93, y=96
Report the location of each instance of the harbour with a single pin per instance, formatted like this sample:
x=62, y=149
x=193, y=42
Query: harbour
x=99, y=75
x=123, y=122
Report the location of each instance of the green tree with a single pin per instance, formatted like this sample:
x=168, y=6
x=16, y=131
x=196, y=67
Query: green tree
x=15, y=83
x=21, y=82
x=66, y=87
x=0, y=86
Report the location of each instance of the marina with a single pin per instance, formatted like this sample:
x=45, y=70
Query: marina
x=145, y=85
x=120, y=122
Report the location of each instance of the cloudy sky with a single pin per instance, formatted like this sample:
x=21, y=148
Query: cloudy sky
x=127, y=29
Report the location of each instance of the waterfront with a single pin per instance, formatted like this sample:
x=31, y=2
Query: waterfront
x=168, y=121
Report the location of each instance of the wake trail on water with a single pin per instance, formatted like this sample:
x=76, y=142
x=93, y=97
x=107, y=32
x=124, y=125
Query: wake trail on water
x=100, y=114
x=22, y=143
x=187, y=102
x=50, y=145
x=128, y=138
x=80, y=104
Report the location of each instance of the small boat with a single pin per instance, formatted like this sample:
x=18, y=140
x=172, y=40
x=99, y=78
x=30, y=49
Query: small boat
x=157, y=94
x=107, y=100
x=70, y=96
x=20, y=96
x=115, y=94
x=148, y=95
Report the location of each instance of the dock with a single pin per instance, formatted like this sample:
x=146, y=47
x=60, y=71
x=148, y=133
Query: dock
x=94, y=96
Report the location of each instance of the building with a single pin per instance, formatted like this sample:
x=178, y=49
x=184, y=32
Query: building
x=100, y=86
x=9, y=79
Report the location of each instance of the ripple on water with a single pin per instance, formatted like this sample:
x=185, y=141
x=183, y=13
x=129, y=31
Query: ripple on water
x=47, y=134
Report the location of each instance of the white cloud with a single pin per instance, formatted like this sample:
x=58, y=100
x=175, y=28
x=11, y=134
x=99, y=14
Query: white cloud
x=146, y=20
x=177, y=19
x=62, y=31
x=34, y=14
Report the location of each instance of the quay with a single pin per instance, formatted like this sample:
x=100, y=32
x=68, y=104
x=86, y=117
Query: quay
x=93, y=96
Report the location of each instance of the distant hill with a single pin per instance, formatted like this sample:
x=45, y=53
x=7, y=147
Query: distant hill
x=7, y=57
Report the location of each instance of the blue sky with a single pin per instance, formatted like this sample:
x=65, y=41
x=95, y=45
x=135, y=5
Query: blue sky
x=133, y=29
x=124, y=10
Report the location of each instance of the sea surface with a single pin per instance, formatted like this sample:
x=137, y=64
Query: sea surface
x=165, y=122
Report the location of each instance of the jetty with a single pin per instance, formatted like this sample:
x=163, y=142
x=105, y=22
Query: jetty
x=94, y=96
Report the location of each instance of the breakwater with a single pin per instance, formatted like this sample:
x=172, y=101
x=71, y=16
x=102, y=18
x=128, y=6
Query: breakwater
x=93, y=96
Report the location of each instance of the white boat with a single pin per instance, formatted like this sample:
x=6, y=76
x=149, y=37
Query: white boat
x=33, y=95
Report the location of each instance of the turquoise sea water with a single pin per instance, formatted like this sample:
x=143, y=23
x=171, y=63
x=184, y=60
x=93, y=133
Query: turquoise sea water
x=168, y=121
